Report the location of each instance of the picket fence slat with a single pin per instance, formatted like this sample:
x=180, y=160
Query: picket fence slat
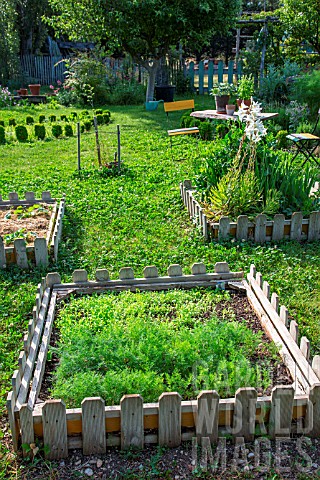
x=281, y=411
x=245, y=413
x=169, y=419
x=2, y=254
x=93, y=426
x=21, y=253
x=26, y=426
x=132, y=427
x=55, y=436
x=208, y=415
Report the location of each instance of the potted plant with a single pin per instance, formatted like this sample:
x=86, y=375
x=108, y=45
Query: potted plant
x=245, y=90
x=35, y=89
x=221, y=92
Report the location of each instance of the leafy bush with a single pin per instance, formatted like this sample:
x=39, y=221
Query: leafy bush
x=126, y=93
x=68, y=131
x=2, y=123
x=99, y=111
x=53, y=118
x=5, y=97
x=281, y=139
x=82, y=127
x=100, y=119
x=106, y=117
x=206, y=130
x=296, y=113
x=29, y=120
x=73, y=115
x=306, y=91
x=42, y=118
x=40, y=131
x=64, y=118
x=12, y=122
x=87, y=125
x=56, y=130
x=67, y=96
x=2, y=135
x=21, y=133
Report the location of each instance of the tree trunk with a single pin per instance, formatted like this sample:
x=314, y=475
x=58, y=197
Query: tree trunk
x=152, y=70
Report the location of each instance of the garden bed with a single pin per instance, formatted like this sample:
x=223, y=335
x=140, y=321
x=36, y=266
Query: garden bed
x=260, y=231
x=30, y=229
x=94, y=426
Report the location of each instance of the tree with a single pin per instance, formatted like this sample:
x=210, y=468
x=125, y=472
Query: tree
x=9, y=42
x=146, y=29
x=301, y=21
x=32, y=30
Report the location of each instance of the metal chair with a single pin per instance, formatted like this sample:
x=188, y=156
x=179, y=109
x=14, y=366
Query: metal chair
x=306, y=143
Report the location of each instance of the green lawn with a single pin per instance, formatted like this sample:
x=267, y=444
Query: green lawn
x=135, y=219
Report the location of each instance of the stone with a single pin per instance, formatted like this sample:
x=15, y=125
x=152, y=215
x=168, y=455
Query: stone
x=99, y=463
x=88, y=472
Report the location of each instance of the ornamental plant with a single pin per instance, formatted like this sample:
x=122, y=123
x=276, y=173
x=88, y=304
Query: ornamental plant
x=56, y=130
x=68, y=130
x=40, y=131
x=29, y=120
x=245, y=88
x=2, y=135
x=42, y=118
x=223, y=88
x=5, y=97
x=12, y=122
x=21, y=133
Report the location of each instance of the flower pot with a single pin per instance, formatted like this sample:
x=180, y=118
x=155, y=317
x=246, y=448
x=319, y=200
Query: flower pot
x=35, y=89
x=221, y=103
x=230, y=109
x=246, y=102
x=23, y=91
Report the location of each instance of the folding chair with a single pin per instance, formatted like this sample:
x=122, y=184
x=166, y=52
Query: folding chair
x=306, y=143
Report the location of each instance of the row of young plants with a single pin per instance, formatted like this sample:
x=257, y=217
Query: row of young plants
x=40, y=131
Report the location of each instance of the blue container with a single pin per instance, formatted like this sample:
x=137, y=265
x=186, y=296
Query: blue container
x=152, y=105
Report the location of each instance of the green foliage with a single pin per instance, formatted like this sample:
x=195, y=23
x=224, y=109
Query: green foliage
x=100, y=119
x=99, y=111
x=223, y=88
x=56, y=130
x=21, y=133
x=12, y=122
x=40, y=131
x=82, y=127
x=206, y=130
x=87, y=125
x=64, y=118
x=245, y=89
x=2, y=135
x=29, y=120
x=2, y=123
x=156, y=341
x=68, y=130
x=9, y=41
x=126, y=93
x=296, y=113
x=52, y=118
x=73, y=115
x=106, y=117
x=306, y=90
x=281, y=139
x=42, y=118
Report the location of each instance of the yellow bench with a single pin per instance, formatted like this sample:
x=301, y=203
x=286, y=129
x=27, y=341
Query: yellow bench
x=180, y=105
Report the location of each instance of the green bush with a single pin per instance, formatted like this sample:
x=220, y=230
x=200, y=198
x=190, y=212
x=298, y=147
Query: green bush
x=306, y=90
x=84, y=113
x=126, y=93
x=42, y=118
x=206, y=130
x=56, y=130
x=185, y=120
x=87, y=125
x=73, y=115
x=68, y=131
x=52, y=118
x=2, y=123
x=39, y=131
x=12, y=122
x=106, y=118
x=100, y=119
x=29, y=120
x=21, y=133
x=99, y=111
x=281, y=139
x=2, y=135
x=82, y=127
x=64, y=118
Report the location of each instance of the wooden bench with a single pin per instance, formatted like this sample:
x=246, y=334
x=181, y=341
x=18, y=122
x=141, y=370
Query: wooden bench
x=180, y=105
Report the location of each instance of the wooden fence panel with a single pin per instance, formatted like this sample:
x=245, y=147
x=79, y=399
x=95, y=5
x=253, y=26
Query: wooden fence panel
x=245, y=413
x=278, y=227
x=132, y=433
x=21, y=253
x=281, y=411
x=2, y=254
x=260, y=229
x=242, y=227
x=224, y=228
x=169, y=419
x=314, y=226
x=296, y=226
x=26, y=426
x=93, y=426
x=55, y=429
x=41, y=251
x=208, y=415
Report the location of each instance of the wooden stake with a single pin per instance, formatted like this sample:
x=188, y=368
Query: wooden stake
x=97, y=140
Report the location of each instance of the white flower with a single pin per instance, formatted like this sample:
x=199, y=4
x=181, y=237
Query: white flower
x=254, y=128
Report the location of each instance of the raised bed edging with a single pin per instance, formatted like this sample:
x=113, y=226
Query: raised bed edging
x=39, y=253
x=260, y=231
x=94, y=426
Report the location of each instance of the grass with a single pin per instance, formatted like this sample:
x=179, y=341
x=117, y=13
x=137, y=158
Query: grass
x=134, y=219
x=151, y=342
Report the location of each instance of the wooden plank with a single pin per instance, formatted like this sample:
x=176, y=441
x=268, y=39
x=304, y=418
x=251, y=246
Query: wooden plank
x=210, y=75
x=21, y=253
x=24, y=388
x=16, y=382
x=224, y=228
x=275, y=301
x=314, y=227
x=205, y=226
x=26, y=427
x=201, y=77
x=266, y=289
x=170, y=419
x=2, y=254
x=245, y=413
x=284, y=315
x=132, y=427
x=284, y=334
x=281, y=411
x=312, y=418
x=260, y=228
x=52, y=223
x=242, y=227
x=220, y=71
x=278, y=227
x=43, y=351
x=296, y=226
x=41, y=252
x=316, y=365
x=55, y=429
x=207, y=415
x=294, y=330
x=305, y=347
x=11, y=403
x=93, y=426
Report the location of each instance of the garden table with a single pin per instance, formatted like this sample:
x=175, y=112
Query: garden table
x=212, y=114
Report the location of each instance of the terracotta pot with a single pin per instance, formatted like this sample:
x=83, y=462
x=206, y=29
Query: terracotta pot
x=246, y=102
x=35, y=89
x=23, y=91
x=230, y=109
x=221, y=103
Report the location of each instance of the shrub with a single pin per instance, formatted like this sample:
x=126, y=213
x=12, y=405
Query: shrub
x=29, y=120
x=42, y=118
x=12, y=122
x=126, y=93
x=185, y=121
x=99, y=111
x=87, y=125
x=106, y=118
x=21, y=133
x=73, y=115
x=68, y=130
x=2, y=135
x=281, y=139
x=52, y=118
x=100, y=119
x=206, y=130
x=306, y=90
x=2, y=123
x=82, y=127
x=56, y=130
x=39, y=131
x=64, y=118
x=84, y=113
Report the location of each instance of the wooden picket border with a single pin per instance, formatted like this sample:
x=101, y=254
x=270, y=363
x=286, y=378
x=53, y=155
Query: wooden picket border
x=95, y=426
x=39, y=252
x=260, y=231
